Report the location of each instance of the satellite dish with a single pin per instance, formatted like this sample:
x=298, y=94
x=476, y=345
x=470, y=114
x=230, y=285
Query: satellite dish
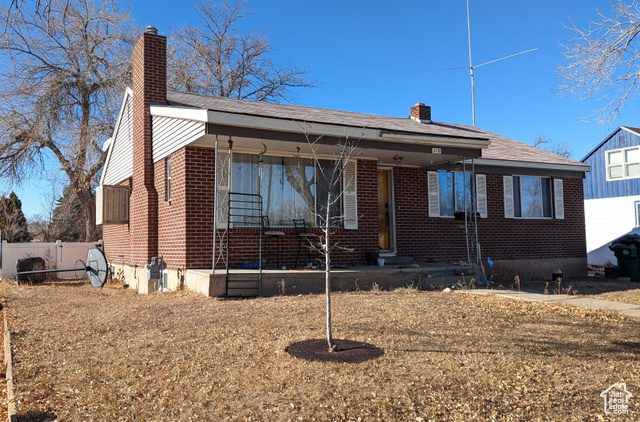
x=97, y=268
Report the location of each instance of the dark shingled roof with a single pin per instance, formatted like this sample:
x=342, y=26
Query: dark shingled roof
x=500, y=148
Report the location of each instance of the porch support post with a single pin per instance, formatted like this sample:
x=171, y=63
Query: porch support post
x=215, y=205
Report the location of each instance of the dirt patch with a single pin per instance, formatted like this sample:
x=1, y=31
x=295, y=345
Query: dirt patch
x=109, y=354
x=347, y=351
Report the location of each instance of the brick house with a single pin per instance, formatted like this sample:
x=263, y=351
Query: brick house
x=412, y=181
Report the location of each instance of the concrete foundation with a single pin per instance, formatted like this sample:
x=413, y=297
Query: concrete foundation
x=539, y=269
x=277, y=282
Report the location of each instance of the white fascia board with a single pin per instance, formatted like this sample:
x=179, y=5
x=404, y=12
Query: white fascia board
x=282, y=125
x=196, y=114
x=529, y=165
x=128, y=92
x=436, y=141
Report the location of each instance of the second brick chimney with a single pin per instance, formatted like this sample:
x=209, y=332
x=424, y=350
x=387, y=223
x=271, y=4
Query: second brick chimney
x=149, y=85
x=421, y=113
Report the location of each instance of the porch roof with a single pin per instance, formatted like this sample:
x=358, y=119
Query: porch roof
x=397, y=126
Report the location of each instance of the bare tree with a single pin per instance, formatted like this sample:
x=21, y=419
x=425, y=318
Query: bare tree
x=61, y=81
x=335, y=180
x=603, y=60
x=559, y=148
x=216, y=59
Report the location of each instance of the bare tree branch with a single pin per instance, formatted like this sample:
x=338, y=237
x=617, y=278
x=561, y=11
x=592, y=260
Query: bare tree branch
x=602, y=61
x=216, y=59
x=66, y=62
x=559, y=148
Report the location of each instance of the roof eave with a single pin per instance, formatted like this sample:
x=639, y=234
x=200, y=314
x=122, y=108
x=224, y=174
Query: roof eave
x=579, y=167
x=313, y=128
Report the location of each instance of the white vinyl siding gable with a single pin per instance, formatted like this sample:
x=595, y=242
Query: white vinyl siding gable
x=350, y=195
x=170, y=134
x=119, y=165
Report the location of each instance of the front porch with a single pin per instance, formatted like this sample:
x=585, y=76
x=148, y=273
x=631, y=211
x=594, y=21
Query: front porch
x=277, y=282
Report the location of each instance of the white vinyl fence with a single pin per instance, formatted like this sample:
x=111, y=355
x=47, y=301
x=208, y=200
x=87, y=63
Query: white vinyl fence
x=58, y=255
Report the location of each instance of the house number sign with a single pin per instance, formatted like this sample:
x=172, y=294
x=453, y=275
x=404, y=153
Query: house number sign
x=436, y=151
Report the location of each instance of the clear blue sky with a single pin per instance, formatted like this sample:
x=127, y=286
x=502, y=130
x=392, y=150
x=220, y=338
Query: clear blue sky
x=366, y=54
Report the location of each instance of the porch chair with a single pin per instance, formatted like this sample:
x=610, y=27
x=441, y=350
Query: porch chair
x=278, y=237
x=307, y=238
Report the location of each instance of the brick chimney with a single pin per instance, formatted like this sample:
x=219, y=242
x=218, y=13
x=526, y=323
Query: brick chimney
x=149, y=85
x=421, y=113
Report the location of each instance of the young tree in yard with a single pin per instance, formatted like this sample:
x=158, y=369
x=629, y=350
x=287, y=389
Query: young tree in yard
x=558, y=148
x=13, y=224
x=215, y=59
x=603, y=60
x=332, y=181
x=63, y=73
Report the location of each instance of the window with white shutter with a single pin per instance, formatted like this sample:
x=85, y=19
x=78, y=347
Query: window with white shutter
x=481, y=195
x=508, y=196
x=558, y=192
x=434, y=198
x=350, y=195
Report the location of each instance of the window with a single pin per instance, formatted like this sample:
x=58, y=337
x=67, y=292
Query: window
x=623, y=163
x=454, y=193
x=112, y=204
x=530, y=197
x=637, y=206
x=450, y=192
x=291, y=187
x=168, y=178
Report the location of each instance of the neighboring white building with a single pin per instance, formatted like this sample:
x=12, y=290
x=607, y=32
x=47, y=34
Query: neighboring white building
x=612, y=192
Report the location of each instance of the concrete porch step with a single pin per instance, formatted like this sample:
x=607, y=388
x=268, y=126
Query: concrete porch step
x=398, y=260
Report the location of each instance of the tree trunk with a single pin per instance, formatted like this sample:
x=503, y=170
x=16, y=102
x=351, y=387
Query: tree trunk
x=327, y=272
x=89, y=211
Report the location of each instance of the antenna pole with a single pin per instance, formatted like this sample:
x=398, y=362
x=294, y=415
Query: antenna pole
x=473, y=100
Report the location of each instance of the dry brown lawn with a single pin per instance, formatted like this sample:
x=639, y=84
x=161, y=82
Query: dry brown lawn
x=84, y=354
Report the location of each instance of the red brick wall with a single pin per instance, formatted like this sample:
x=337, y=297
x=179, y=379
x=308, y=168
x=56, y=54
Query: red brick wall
x=186, y=222
x=149, y=85
x=500, y=238
x=172, y=219
x=200, y=191
x=117, y=239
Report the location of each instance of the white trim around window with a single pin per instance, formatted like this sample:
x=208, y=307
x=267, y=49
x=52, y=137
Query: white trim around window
x=622, y=163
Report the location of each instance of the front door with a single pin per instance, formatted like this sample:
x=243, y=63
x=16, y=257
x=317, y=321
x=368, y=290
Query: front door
x=384, y=216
